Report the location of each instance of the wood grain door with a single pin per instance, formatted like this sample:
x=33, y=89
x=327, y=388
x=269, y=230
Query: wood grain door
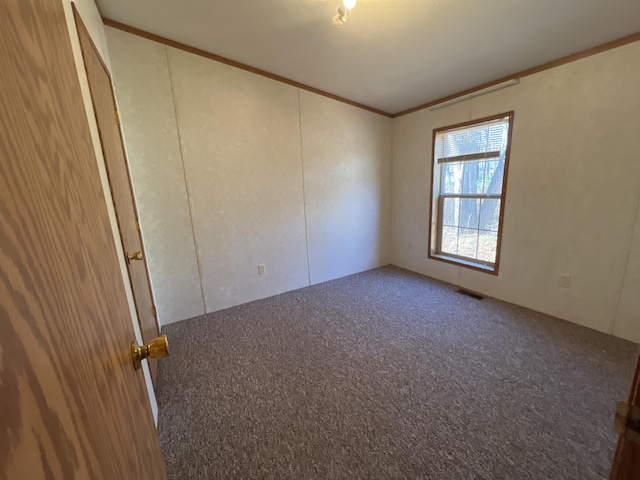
x=626, y=463
x=71, y=404
x=105, y=108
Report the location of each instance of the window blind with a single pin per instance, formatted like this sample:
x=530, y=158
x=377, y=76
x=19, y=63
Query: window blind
x=485, y=141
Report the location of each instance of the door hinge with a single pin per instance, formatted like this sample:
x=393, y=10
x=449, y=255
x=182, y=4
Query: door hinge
x=117, y=117
x=628, y=422
x=138, y=223
x=154, y=311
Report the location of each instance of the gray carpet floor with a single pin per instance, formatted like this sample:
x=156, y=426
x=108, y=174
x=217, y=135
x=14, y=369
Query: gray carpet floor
x=388, y=374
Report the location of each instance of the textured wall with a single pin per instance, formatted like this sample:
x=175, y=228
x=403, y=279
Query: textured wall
x=241, y=141
x=346, y=154
x=627, y=323
x=573, y=189
x=242, y=138
x=142, y=81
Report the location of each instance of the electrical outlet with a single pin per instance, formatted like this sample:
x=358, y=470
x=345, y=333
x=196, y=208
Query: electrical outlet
x=565, y=281
x=261, y=270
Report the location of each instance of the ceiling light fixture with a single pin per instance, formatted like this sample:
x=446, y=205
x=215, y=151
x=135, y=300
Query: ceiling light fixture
x=343, y=12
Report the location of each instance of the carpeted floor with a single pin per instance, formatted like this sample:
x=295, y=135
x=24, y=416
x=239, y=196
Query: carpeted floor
x=388, y=374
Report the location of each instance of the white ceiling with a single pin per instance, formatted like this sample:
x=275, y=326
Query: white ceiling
x=392, y=54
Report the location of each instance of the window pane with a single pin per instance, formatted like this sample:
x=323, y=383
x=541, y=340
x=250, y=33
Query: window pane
x=451, y=211
x=467, y=242
x=487, y=245
x=472, y=178
x=490, y=214
x=493, y=177
x=469, y=212
x=449, y=240
x=452, y=178
x=468, y=227
x=482, y=175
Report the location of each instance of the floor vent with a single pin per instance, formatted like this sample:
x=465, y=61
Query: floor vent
x=477, y=296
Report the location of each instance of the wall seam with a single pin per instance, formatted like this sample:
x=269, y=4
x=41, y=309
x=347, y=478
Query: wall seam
x=626, y=266
x=186, y=181
x=304, y=194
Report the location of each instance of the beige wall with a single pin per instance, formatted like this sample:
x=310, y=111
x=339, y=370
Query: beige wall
x=347, y=180
x=627, y=321
x=241, y=141
x=271, y=174
x=92, y=20
x=147, y=112
x=573, y=190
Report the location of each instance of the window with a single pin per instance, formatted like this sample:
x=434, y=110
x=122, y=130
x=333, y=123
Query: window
x=469, y=173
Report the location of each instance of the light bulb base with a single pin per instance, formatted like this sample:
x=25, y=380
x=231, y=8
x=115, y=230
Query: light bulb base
x=343, y=15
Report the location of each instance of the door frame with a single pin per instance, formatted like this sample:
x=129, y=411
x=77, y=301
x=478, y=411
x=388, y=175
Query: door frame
x=80, y=25
x=95, y=138
x=626, y=462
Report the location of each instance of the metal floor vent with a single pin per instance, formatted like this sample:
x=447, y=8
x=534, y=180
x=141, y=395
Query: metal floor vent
x=477, y=296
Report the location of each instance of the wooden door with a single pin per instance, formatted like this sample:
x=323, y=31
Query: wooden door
x=626, y=463
x=71, y=404
x=115, y=159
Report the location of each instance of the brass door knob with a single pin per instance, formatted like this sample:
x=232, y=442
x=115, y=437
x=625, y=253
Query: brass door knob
x=135, y=256
x=156, y=348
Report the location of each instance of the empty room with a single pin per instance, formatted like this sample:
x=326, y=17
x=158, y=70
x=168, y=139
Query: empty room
x=326, y=239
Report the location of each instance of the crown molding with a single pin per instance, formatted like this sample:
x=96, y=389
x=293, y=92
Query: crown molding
x=634, y=37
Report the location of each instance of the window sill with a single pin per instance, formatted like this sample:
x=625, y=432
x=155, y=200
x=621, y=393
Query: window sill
x=465, y=263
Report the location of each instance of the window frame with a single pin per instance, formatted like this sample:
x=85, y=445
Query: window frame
x=436, y=202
